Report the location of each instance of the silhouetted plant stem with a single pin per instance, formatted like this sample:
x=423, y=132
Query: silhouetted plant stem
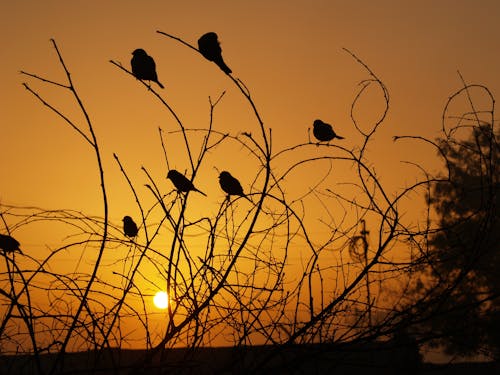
x=169, y=108
x=93, y=141
x=270, y=270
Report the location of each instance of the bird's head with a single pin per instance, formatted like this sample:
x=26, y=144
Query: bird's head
x=172, y=173
x=224, y=174
x=210, y=36
x=317, y=123
x=127, y=218
x=139, y=52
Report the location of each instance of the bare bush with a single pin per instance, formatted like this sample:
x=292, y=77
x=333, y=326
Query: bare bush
x=254, y=273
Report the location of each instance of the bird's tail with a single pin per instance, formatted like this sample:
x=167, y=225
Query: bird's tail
x=159, y=84
x=223, y=66
x=199, y=191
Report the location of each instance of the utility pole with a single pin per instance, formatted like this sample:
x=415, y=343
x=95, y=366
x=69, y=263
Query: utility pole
x=360, y=253
x=364, y=236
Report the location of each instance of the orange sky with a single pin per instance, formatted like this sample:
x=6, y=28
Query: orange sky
x=288, y=53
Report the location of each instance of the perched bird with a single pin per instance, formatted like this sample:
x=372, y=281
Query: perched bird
x=324, y=132
x=231, y=185
x=9, y=244
x=210, y=48
x=144, y=67
x=181, y=183
x=129, y=227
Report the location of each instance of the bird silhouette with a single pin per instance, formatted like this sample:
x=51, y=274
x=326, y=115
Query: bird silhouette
x=324, y=132
x=9, y=244
x=144, y=67
x=231, y=185
x=129, y=227
x=210, y=48
x=181, y=183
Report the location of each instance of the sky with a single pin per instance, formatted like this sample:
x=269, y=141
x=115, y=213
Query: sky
x=290, y=54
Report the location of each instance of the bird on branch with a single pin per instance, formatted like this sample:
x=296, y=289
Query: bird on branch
x=144, y=67
x=9, y=244
x=181, y=183
x=324, y=132
x=231, y=185
x=209, y=47
x=129, y=227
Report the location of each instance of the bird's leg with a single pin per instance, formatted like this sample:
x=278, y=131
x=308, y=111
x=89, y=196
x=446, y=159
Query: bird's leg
x=227, y=200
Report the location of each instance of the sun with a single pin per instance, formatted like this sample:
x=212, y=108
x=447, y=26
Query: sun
x=161, y=299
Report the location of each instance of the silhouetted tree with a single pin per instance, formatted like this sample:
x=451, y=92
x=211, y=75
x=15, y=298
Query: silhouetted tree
x=464, y=253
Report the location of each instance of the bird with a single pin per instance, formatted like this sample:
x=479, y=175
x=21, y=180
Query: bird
x=324, y=132
x=231, y=185
x=209, y=47
x=9, y=244
x=144, y=67
x=181, y=183
x=129, y=227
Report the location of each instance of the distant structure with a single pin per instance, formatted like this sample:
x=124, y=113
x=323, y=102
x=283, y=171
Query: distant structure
x=358, y=249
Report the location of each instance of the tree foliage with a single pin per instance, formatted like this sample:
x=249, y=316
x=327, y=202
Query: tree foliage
x=464, y=251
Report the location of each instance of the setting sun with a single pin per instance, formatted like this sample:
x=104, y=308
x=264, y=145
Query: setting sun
x=161, y=300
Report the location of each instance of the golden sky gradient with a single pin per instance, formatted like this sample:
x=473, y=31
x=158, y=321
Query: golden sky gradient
x=288, y=53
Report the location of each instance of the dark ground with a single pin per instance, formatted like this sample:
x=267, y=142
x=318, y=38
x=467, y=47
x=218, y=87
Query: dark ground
x=296, y=359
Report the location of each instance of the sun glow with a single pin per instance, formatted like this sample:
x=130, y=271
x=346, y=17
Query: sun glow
x=161, y=300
